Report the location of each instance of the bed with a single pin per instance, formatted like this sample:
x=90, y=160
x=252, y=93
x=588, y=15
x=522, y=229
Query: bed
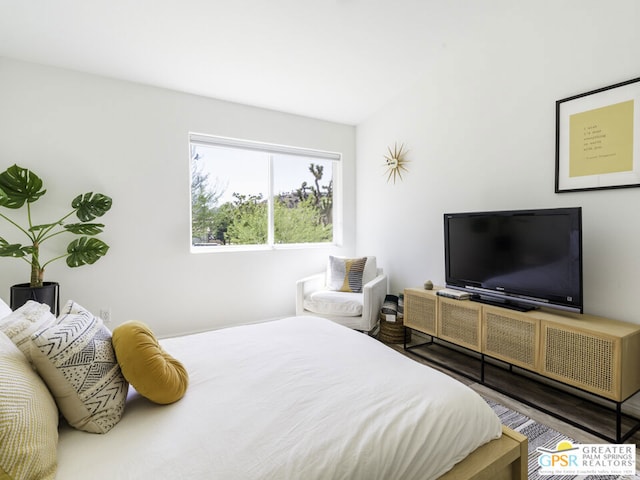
x=296, y=398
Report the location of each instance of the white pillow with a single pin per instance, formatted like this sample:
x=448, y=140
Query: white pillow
x=4, y=309
x=20, y=325
x=75, y=358
x=28, y=418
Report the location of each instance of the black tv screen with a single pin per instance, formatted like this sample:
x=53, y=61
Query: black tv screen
x=523, y=258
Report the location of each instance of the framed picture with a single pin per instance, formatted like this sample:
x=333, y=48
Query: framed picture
x=598, y=139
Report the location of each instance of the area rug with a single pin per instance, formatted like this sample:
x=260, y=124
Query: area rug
x=540, y=435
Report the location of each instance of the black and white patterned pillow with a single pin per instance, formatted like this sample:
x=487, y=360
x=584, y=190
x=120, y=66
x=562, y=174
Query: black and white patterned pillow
x=345, y=274
x=76, y=360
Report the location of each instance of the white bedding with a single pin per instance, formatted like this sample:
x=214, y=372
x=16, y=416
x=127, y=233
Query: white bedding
x=298, y=398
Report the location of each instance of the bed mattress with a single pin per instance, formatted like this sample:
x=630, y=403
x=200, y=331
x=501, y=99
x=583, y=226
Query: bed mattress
x=297, y=398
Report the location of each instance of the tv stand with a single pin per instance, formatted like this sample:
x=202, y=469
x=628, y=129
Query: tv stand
x=502, y=303
x=596, y=355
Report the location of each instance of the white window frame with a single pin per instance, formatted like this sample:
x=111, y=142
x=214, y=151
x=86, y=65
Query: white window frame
x=271, y=149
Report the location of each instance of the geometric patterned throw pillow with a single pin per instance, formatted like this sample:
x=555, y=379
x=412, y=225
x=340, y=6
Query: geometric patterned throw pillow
x=28, y=419
x=76, y=360
x=345, y=274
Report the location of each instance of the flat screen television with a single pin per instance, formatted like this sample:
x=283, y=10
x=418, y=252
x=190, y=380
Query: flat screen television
x=520, y=259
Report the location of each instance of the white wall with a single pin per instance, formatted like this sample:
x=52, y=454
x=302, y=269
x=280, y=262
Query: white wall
x=85, y=133
x=480, y=130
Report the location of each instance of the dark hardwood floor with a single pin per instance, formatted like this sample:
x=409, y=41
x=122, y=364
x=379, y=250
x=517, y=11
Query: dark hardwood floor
x=527, y=393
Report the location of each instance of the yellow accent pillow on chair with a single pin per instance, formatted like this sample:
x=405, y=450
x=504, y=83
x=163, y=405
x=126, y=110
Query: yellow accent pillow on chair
x=346, y=274
x=154, y=373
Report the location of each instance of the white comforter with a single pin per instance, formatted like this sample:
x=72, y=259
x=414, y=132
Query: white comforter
x=298, y=398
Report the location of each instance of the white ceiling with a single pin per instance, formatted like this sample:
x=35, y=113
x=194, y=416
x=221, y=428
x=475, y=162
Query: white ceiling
x=339, y=60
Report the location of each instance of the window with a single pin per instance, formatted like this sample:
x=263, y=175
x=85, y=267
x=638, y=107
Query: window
x=247, y=193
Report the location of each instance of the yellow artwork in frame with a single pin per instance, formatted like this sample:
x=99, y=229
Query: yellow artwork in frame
x=598, y=139
x=395, y=162
x=601, y=140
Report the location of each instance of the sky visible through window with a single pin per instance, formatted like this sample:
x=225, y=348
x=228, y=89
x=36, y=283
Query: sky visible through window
x=246, y=172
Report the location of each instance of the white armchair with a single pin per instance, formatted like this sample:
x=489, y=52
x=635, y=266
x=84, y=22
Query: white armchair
x=315, y=295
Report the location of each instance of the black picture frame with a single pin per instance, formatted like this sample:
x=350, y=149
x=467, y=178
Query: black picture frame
x=598, y=139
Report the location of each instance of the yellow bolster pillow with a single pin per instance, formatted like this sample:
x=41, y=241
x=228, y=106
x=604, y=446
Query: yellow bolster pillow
x=154, y=373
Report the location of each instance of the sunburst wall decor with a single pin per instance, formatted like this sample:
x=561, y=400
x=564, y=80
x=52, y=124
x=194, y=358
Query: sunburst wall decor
x=395, y=162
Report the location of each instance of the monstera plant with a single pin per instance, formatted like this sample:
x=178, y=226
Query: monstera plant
x=20, y=188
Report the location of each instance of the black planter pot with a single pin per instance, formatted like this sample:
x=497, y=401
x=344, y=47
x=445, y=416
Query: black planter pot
x=49, y=293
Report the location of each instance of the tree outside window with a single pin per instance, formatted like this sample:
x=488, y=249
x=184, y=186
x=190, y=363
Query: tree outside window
x=253, y=196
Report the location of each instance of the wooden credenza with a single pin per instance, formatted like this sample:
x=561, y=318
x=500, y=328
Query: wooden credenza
x=594, y=354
